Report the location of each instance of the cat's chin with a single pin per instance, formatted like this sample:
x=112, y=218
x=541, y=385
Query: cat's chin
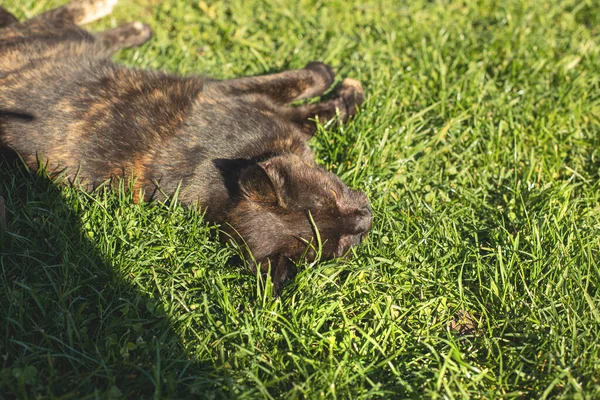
x=347, y=242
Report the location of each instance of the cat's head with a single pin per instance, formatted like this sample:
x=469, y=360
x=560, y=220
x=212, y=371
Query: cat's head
x=287, y=206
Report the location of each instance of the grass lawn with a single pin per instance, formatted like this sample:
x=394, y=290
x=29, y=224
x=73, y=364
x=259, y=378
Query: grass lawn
x=479, y=147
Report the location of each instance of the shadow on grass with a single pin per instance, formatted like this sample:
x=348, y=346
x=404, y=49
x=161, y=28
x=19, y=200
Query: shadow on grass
x=70, y=324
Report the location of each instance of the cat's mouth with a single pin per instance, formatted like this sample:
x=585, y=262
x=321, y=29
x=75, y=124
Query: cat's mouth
x=348, y=241
x=342, y=250
x=360, y=224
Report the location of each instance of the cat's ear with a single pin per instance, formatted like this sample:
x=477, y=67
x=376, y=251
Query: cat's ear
x=264, y=183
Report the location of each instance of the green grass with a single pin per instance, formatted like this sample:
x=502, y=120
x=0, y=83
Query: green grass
x=479, y=147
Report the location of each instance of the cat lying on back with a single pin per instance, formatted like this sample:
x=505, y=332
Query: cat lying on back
x=236, y=147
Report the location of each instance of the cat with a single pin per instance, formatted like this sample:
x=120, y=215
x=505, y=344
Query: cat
x=236, y=148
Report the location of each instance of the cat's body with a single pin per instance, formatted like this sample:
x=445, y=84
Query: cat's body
x=94, y=119
x=234, y=147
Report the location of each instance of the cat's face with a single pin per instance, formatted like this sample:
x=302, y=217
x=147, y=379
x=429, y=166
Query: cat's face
x=288, y=205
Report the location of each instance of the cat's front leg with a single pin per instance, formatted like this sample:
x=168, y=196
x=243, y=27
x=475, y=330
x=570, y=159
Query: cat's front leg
x=284, y=87
x=348, y=97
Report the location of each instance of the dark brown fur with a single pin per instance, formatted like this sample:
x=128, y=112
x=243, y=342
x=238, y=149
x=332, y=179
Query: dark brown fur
x=237, y=148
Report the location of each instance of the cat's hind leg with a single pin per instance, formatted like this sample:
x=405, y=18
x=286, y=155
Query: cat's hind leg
x=348, y=97
x=124, y=36
x=77, y=12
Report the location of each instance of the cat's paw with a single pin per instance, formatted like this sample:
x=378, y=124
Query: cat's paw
x=323, y=75
x=323, y=70
x=351, y=95
x=143, y=33
x=124, y=36
x=135, y=34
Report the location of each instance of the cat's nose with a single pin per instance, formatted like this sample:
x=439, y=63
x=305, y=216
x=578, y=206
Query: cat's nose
x=362, y=220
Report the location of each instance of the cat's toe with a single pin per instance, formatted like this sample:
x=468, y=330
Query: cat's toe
x=142, y=33
x=352, y=95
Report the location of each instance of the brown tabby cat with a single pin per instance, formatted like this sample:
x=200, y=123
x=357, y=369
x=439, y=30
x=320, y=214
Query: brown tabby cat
x=236, y=147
